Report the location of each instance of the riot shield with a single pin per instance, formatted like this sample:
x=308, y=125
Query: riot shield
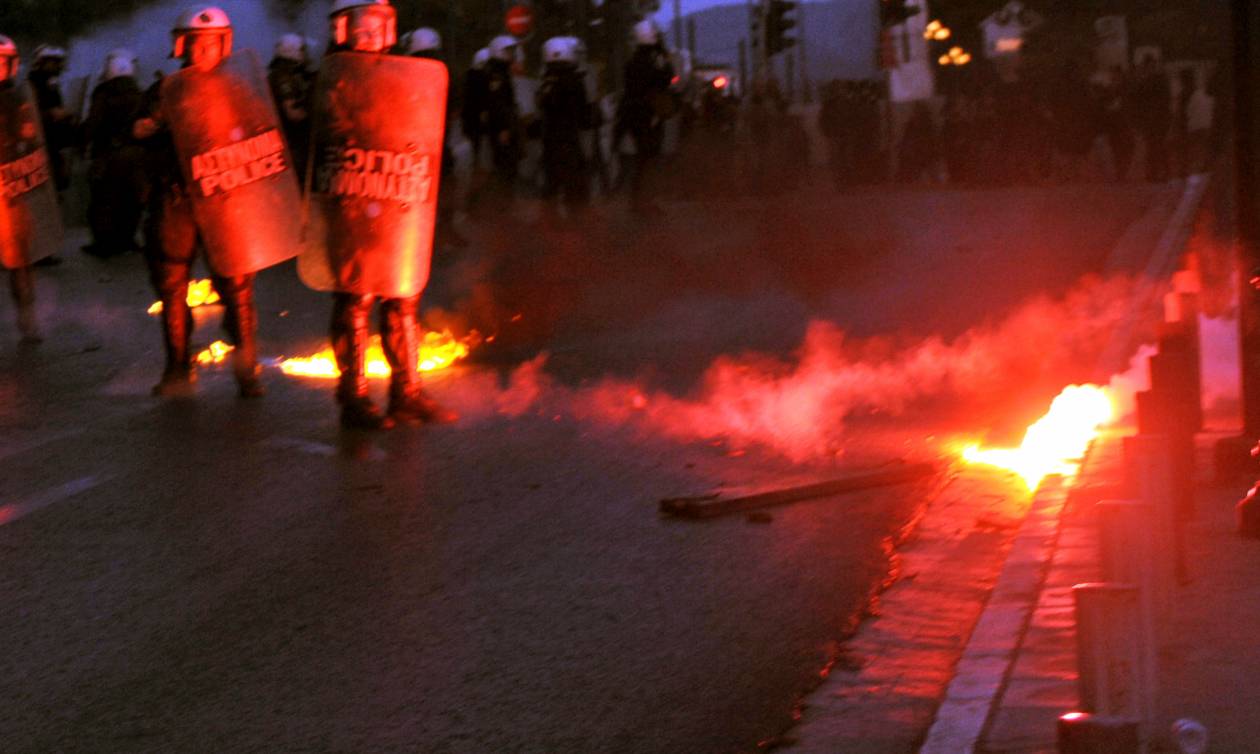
x=373, y=178
x=235, y=164
x=30, y=220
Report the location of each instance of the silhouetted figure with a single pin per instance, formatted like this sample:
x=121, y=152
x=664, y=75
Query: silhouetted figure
x=645, y=105
x=290, y=81
x=1151, y=107
x=116, y=182
x=920, y=146
x=565, y=113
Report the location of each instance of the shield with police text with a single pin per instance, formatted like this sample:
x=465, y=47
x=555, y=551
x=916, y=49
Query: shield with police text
x=30, y=219
x=235, y=163
x=373, y=176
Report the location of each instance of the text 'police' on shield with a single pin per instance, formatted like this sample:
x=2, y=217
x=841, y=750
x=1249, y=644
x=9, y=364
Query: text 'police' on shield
x=375, y=174
x=24, y=174
x=223, y=169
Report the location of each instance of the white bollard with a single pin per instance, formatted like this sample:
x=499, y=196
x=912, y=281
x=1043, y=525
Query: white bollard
x=1126, y=538
x=1112, y=675
x=1152, y=467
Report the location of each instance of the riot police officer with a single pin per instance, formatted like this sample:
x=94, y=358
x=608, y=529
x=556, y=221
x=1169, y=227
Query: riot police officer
x=499, y=117
x=14, y=252
x=368, y=266
x=114, y=181
x=565, y=113
x=59, y=123
x=201, y=38
x=645, y=104
x=473, y=104
x=290, y=83
x=427, y=43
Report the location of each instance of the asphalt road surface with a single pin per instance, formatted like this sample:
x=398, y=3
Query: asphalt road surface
x=218, y=575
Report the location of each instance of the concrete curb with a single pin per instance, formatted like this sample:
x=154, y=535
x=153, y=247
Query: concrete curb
x=995, y=642
x=989, y=659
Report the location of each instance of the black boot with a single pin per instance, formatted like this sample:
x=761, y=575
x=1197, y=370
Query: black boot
x=22, y=284
x=400, y=335
x=177, y=325
x=240, y=319
x=350, y=342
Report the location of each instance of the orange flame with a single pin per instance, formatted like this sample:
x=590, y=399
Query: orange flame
x=200, y=293
x=437, y=351
x=1054, y=443
x=216, y=353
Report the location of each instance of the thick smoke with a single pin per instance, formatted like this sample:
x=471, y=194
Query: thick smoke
x=799, y=406
x=256, y=26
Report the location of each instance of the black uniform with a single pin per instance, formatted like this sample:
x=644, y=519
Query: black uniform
x=291, y=84
x=500, y=120
x=474, y=105
x=645, y=104
x=445, y=232
x=115, y=179
x=59, y=132
x=171, y=240
x=565, y=114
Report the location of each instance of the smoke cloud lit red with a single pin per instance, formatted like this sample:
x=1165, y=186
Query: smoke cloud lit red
x=799, y=406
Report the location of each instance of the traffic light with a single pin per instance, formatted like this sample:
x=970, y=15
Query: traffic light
x=893, y=12
x=777, y=26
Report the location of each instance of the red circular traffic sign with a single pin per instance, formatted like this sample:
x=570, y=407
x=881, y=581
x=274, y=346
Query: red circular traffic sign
x=519, y=20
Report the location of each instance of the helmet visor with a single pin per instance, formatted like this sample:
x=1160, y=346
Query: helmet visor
x=366, y=28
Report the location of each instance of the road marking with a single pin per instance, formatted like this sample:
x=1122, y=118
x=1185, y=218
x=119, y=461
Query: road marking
x=309, y=447
x=22, y=447
x=361, y=449
x=13, y=511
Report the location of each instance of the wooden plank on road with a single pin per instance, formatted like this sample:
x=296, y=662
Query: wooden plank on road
x=712, y=506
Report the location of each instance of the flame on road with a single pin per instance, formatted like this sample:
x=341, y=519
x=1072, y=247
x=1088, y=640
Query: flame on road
x=200, y=293
x=438, y=350
x=216, y=353
x=1054, y=443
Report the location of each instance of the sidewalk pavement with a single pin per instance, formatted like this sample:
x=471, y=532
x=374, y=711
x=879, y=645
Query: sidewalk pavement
x=1019, y=670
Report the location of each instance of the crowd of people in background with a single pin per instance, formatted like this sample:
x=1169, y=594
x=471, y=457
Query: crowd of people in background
x=1146, y=123
x=562, y=138
x=559, y=135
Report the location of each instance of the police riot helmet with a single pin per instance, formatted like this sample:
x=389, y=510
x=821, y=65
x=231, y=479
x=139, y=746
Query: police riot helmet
x=646, y=32
x=204, y=19
x=480, y=58
x=8, y=58
x=347, y=16
x=48, y=52
x=119, y=62
x=424, y=40
x=291, y=46
x=561, y=50
x=503, y=47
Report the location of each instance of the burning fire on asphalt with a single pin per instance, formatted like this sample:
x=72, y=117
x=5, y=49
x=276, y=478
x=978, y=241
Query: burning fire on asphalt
x=216, y=353
x=200, y=293
x=437, y=351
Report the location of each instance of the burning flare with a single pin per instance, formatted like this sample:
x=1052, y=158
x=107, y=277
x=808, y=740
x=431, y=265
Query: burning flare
x=200, y=293
x=1055, y=442
x=438, y=350
x=216, y=353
